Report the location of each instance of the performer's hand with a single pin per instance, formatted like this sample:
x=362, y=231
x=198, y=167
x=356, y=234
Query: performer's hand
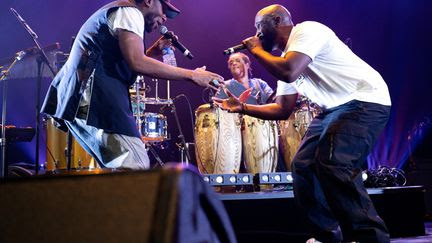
x=207, y=79
x=252, y=43
x=156, y=49
x=231, y=104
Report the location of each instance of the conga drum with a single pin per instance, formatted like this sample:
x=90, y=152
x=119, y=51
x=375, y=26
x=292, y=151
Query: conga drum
x=56, y=151
x=293, y=130
x=260, y=145
x=217, y=140
x=289, y=139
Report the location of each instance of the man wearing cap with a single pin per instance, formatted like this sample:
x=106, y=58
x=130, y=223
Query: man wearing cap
x=90, y=94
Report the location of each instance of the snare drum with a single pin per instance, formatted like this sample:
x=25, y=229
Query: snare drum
x=218, y=140
x=154, y=127
x=260, y=145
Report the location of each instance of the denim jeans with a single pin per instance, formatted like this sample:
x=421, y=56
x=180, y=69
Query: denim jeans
x=327, y=172
x=111, y=150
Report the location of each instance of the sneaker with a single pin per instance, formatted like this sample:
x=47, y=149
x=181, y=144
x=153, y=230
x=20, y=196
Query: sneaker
x=313, y=240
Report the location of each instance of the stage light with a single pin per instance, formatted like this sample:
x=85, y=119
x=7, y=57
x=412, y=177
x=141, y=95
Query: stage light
x=273, y=178
x=219, y=179
x=228, y=179
x=364, y=176
x=289, y=178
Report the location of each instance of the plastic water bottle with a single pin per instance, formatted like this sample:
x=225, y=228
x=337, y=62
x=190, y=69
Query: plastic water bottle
x=169, y=57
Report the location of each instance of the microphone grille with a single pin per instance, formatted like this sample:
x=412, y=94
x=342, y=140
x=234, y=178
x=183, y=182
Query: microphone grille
x=163, y=29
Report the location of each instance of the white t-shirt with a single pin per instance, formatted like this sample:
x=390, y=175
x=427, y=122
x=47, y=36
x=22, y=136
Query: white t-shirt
x=127, y=18
x=336, y=75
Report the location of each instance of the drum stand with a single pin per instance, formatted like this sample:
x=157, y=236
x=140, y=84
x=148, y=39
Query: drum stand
x=155, y=154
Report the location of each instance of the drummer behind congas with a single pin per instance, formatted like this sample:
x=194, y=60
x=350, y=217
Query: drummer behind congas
x=240, y=68
x=259, y=137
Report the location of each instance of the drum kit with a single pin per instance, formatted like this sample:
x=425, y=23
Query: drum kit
x=153, y=126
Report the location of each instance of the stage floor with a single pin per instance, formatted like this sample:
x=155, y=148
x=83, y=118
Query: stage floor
x=427, y=238
x=273, y=216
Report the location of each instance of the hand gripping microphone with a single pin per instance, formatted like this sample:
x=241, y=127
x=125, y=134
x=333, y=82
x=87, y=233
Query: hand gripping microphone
x=170, y=35
x=240, y=47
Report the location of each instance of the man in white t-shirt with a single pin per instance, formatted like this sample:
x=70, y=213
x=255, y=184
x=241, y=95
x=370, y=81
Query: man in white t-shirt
x=90, y=94
x=327, y=167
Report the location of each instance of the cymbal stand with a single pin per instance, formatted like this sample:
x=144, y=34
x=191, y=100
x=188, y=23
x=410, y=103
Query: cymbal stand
x=3, y=78
x=40, y=60
x=138, y=102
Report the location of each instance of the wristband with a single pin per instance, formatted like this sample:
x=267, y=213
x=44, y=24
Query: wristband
x=243, y=108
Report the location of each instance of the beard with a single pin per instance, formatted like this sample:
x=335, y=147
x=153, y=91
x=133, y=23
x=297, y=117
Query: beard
x=268, y=40
x=149, y=22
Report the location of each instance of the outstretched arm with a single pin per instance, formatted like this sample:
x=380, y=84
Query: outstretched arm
x=280, y=110
x=132, y=48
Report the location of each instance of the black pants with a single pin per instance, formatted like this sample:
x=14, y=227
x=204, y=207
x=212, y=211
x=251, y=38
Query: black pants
x=327, y=170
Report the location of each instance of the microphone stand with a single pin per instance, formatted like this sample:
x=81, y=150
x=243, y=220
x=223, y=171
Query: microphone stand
x=41, y=59
x=182, y=145
x=3, y=78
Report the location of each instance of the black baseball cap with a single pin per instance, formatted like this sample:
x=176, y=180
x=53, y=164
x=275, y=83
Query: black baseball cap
x=170, y=11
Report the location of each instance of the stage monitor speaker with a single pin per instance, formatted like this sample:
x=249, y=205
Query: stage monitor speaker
x=165, y=205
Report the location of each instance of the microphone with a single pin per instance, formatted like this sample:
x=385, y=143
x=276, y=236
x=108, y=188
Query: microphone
x=19, y=55
x=233, y=49
x=32, y=33
x=163, y=30
x=240, y=47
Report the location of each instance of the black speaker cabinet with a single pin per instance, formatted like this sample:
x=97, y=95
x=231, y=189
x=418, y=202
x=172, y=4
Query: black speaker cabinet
x=165, y=205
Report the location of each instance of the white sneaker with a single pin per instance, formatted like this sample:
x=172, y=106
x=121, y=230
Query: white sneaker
x=313, y=240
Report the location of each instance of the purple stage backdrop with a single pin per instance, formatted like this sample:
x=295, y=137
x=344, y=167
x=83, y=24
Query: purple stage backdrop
x=393, y=36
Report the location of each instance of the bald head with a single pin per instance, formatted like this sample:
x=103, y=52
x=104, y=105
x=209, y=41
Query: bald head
x=276, y=11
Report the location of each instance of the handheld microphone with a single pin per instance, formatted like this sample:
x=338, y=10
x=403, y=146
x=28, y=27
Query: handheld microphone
x=233, y=49
x=163, y=30
x=240, y=47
